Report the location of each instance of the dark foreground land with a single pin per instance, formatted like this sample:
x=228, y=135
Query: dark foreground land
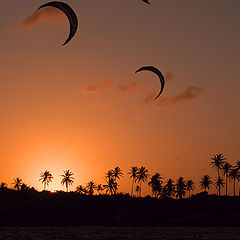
x=118, y=233
x=29, y=209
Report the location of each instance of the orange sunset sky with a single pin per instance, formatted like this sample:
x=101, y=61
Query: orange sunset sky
x=82, y=107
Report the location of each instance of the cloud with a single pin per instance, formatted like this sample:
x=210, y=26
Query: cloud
x=48, y=15
x=188, y=95
x=130, y=86
x=94, y=88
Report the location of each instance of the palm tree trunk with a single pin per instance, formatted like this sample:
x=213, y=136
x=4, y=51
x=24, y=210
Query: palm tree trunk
x=234, y=187
x=226, y=185
x=132, y=187
x=141, y=189
x=67, y=186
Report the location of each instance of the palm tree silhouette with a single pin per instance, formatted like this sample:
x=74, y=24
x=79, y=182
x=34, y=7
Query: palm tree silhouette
x=91, y=186
x=156, y=184
x=218, y=184
x=170, y=188
x=25, y=187
x=238, y=177
x=111, y=186
x=81, y=190
x=117, y=172
x=226, y=169
x=67, y=179
x=45, y=177
x=100, y=188
x=3, y=185
x=205, y=182
x=234, y=175
x=109, y=174
x=190, y=186
x=142, y=177
x=17, y=183
x=180, y=188
x=133, y=174
x=138, y=190
x=218, y=161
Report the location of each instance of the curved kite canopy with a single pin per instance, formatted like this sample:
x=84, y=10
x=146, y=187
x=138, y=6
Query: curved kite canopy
x=146, y=1
x=72, y=17
x=158, y=73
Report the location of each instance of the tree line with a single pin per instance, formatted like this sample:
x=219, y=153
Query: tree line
x=140, y=175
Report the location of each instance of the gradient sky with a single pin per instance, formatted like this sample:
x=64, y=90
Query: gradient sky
x=81, y=107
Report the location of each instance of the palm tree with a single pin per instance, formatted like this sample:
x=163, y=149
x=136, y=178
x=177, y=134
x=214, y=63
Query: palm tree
x=25, y=187
x=156, y=184
x=91, y=186
x=138, y=190
x=170, y=188
x=111, y=186
x=45, y=177
x=180, y=188
x=233, y=175
x=205, y=182
x=100, y=188
x=133, y=174
x=218, y=184
x=238, y=178
x=3, y=185
x=218, y=161
x=81, y=190
x=117, y=172
x=109, y=174
x=226, y=169
x=142, y=177
x=67, y=178
x=190, y=186
x=17, y=183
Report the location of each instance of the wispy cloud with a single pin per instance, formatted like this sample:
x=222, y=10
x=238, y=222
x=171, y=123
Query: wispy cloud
x=188, y=95
x=97, y=87
x=46, y=15
x=130, y=86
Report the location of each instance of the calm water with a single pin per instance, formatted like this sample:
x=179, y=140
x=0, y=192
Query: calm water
x=117, y=233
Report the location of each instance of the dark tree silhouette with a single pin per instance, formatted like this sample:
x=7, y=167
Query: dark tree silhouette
x=205, y=182
x=17, y=183
x=91, y=186
x=3, y=186
x=109, y=175
x=217, y=162
x=133, y=174
x=238, y=177
x=100, y=188
x=233, y=175
x=138, y=190
x=117, y=173
x=142, y=177
x=169, y=188
x=25, y=187
x=81, y=190
x=45, y=177
x=156, y=184
x=111, y=186
x=67, y=179
x=180, y=188
x=226, y=170
x=218, y=184
x=190, y=186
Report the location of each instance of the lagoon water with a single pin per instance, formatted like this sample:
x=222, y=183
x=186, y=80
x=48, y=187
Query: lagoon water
x=118, y=233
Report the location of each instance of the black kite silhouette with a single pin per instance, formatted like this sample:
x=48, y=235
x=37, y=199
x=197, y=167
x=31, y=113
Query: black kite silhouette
x=158, y=73
x=72, y=17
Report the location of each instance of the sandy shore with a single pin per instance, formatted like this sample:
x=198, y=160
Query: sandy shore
x=117, y=233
